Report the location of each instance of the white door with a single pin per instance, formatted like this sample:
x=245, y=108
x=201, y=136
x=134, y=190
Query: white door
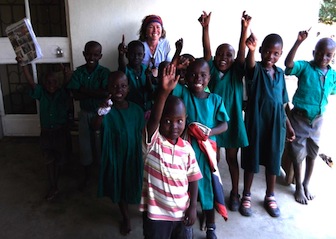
x=19, y=114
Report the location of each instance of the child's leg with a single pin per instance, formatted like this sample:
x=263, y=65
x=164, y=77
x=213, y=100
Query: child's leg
x=299, y=192
x=125, y=226
x=210, y=224
x=245, y=203
x=310, y=162
x=269, y=201
x=232, y=161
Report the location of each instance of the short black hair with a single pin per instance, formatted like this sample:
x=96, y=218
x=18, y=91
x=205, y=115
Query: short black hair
x=134, y=44
x=271, y=39
x=90, y=44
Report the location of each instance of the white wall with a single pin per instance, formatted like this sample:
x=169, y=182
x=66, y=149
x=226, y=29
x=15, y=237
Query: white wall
x=105, y=21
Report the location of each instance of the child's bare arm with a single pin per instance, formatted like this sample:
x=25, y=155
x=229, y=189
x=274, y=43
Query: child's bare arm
x=289, y=61
x=220, y=128
x=191, y=213
x=204, y=19
x=245, y=22
x=122, y=50
x=167, y=84
x=179, y=46
x=26, y=72
x=251, y=43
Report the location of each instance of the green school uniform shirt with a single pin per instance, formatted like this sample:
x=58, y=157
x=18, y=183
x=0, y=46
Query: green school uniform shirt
x=53, y=108
x=96, y=80
x=311, y=96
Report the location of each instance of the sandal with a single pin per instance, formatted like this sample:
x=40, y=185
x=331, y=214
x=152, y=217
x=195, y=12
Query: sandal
x=245, y=205
x=234, y=202
x=271, y=206
x=210, y=232
x=327, y=160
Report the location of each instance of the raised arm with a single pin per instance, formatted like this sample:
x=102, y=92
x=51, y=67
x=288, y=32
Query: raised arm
x=26, y=73
x=251, y=43
x=179, y=46
x=245, y=23
x=122, y=49
x=289, y=61
x=204, y=19
x=167, y=84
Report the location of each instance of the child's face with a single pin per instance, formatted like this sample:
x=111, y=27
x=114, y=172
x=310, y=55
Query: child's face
x=118, y=87
x=323, y=55
x=92, y=56
x=173, y=121
x=135, y=56
x=270, y=54
x=224, y=57
x=198, y=76
x=154, y=31
x=51, y=84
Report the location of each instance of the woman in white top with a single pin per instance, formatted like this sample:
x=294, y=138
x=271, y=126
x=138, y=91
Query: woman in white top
x=152, y=35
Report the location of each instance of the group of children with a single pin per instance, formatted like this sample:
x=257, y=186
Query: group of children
x=161, y=139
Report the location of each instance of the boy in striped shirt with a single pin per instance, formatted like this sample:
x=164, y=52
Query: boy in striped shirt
x=171, y=172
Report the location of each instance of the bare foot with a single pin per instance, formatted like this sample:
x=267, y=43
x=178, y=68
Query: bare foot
x=300, y=196
x=308, y=194
x=125, y=227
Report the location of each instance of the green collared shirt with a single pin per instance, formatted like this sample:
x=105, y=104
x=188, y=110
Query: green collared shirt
x=53, y=108
x=314, y=87
x=96, y=80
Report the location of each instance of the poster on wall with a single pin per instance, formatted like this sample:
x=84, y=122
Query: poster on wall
x=23, y=40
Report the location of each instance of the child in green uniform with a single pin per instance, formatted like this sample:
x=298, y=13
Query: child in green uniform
x=55, y=138
x=121, y=169
x=227, y=81
x=141, y=87
x=88, y=85
x=316, y=81
x=206, y=109
x=265, y=120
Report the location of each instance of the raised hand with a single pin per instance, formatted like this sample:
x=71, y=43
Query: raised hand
x=303, y=35
x=245, y=20
x=179, y=44
x=204, y=19
x=122, y=48
x=251, y=42
x=169, y=78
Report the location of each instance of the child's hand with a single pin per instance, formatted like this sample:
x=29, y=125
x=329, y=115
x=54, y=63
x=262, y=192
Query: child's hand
x=18, y=59
x=179, y=44
x=122, y=48
x=204, y=19
x=105, y=107
x=67, y=72
x=169, y=78
x=190, y=216
x=251, y=42
x=182, y=63
x=303, y=35
x=245, y=20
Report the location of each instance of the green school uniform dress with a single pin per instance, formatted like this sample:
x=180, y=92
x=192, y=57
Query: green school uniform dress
x=138, y=92
x=121, y=168
x=210, y=112
x=265, y=120
x=230, y=87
